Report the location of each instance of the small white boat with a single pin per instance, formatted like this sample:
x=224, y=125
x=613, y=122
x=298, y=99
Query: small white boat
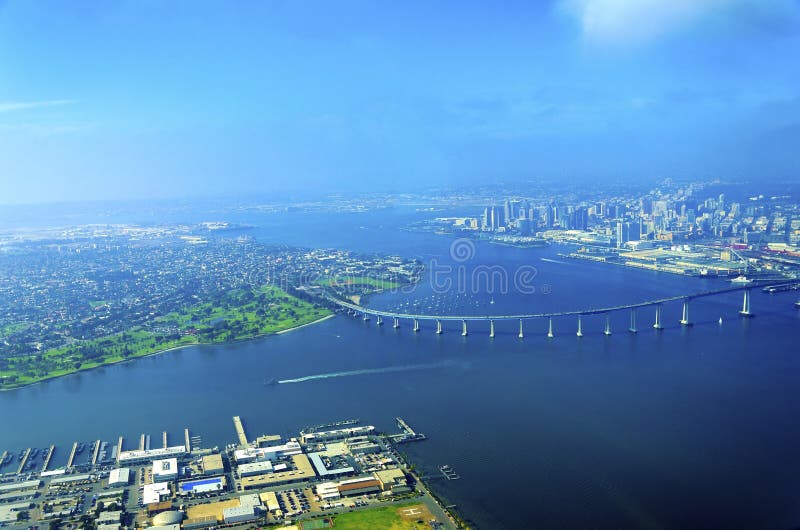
x=720, y=321
x=741, y=279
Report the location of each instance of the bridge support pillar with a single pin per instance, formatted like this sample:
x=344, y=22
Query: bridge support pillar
x=416, y=325
x=658, y=325
x=607, y=331
x=521, y=335
x=745, y=312
x=463, y=328
x=685, y=315
x=633, y=329
x=396, y=323
x=580, y=327
x=438, y=327
x=379, y=321
x=550, y=328
x=366, y=317
x=491, y=329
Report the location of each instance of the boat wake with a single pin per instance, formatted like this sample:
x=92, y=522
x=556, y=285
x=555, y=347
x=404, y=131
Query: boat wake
x=549, y=260
x=367, y=371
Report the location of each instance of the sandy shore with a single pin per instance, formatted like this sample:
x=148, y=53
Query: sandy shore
x=317, y=321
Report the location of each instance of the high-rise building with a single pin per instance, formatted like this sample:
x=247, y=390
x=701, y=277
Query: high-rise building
x=627, y=231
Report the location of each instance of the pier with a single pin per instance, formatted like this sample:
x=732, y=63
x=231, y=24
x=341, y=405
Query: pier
x=96, y=452
x=141, y=443
x=187, y=440
x=48, y=456
x=408, y=434
x=71, y=458
x=24, y=460
x=3, y=458
x=449, y=473
x=237, y=423
x=164, y=439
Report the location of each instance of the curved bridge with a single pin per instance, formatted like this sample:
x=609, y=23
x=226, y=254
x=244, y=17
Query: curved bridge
x=380, y=314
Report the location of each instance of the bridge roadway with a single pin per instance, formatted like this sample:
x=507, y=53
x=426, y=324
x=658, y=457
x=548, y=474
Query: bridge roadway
x=527, y=316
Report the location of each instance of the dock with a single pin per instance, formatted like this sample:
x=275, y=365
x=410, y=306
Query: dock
x=48, y=457
x=96, y=452
x=23, y=461
x=237, y=423
x=408, y=434
x=3, y=458
x=449, y=473
x=164, y=437
x=141, y=443
x=71, y=458
x=186, y=440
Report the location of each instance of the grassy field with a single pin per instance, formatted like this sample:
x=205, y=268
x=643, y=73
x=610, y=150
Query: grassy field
x=395, y=517
x=236, y=315
x=359, y=281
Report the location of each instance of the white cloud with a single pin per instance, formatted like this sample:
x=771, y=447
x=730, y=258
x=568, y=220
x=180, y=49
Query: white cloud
x=11, y=106
x=638, y=21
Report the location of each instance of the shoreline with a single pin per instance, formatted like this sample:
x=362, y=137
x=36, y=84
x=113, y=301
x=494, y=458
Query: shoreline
x=317, y=321
x=173, y=348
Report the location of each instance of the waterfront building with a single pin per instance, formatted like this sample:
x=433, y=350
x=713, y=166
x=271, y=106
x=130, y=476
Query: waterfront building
x=148, y=455
x=251, y=454
x=337, y=434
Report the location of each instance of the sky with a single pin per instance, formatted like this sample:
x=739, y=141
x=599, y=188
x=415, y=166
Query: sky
x=148, y=99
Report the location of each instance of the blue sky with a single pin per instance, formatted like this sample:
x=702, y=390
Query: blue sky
x=152, y=99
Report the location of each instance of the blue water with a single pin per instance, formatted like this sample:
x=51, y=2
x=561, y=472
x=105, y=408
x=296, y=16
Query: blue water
x=688, y=427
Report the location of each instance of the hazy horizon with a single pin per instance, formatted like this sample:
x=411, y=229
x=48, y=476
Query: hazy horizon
x=145, y=100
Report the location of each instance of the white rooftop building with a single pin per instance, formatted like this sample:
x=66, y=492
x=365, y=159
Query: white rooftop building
x=252, y=454
x=119, y=477
x=255, y=468
x=166, y=469
x=148, y=455
x=153, y=493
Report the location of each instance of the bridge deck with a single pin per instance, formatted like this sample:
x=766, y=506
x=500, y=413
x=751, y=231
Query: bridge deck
x=526, y=316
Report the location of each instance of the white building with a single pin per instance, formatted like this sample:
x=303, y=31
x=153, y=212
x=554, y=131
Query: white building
x=250, y=508
x=253, y=454
x=327, y=491
x=155, y=492
x=148, y=455
x=165, y=470
x=255, y=468
x=119, y=477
